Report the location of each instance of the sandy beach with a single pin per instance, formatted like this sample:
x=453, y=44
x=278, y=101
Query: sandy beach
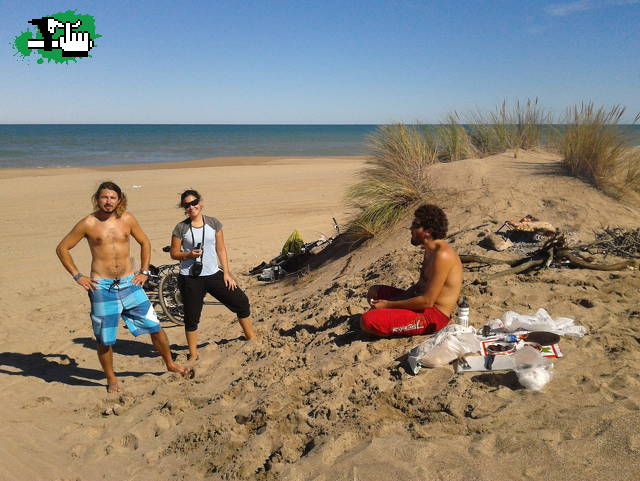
x=313, y=398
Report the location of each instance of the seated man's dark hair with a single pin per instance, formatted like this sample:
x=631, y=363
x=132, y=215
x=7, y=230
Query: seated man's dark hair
x=432, y=217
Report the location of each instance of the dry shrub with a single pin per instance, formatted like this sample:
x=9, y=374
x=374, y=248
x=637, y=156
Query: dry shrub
x=595, y=151
x=395, y=179
x=454, y=142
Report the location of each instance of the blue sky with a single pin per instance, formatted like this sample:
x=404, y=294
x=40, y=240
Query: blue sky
x=323, y=61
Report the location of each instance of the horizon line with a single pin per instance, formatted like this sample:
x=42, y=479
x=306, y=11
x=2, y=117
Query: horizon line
x=185, y=123
x=276, y=124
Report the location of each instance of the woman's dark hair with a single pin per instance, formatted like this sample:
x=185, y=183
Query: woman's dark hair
x=432, y=217
x=108, y=185
x=186, y=194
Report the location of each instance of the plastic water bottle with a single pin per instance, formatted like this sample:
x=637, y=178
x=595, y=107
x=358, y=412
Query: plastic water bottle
x=463, y=313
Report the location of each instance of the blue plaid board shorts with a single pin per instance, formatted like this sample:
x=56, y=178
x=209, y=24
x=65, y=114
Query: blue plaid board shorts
x=114, y=298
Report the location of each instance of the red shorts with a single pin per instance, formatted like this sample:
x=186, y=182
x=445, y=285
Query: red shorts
x=402, y=322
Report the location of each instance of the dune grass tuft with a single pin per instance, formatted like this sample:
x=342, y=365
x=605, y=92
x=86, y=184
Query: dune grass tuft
x=393, y=180
x=508, y=128
x=629, y=166
x=454, y=142
x=530, y=119
x=592, y=148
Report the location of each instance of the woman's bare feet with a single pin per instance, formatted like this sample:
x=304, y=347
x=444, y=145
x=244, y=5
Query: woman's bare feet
x=247, y=328
x=113, y=386
x=185, y=372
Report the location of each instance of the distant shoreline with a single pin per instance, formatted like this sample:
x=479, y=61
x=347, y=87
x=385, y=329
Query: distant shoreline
x=101, y=145
x=80, y=145
x=14, y=172
x=435, y=124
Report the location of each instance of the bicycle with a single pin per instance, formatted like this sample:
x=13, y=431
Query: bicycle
x=162, y=290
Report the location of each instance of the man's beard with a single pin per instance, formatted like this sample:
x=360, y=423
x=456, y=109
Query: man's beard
x=108, y=210
x=415, y=242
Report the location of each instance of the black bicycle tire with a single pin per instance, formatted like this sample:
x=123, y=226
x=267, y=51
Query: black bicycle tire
x=166, y=308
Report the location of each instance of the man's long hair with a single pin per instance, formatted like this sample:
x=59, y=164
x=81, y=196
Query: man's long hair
x=122, y=203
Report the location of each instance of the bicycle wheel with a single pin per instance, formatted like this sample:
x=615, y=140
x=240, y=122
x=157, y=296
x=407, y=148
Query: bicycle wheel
x=170, y=299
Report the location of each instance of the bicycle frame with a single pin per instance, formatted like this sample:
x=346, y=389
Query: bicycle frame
x=162, y=290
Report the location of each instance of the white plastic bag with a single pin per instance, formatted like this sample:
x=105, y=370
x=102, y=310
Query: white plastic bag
x=540, y=321
x=534, y=370
x=451, y=342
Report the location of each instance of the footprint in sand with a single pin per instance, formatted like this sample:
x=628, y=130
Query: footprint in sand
x=39, y=401
x=482, y=445
x=153, y=426
x=153, y=456
x=130, y=441
x=78, y=451
x=162, y=424
x=630, y=405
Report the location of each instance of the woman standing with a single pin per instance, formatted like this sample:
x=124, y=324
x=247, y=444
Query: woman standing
x=198, y=243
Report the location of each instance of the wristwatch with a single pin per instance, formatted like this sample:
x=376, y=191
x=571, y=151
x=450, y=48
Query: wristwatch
x=146, y=273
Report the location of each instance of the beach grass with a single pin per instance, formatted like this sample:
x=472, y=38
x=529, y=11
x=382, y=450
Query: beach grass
x=453, y=139
x=630, y=171
x=398, y=176
x=395, y=178
x=491, y=132
x=530, y=119
x=515, y=128
x=593, y=149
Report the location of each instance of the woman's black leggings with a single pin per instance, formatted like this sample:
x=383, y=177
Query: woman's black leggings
x=193, y=290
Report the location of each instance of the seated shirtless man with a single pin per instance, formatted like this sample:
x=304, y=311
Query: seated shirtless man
x=113, y=289
x=427, y=306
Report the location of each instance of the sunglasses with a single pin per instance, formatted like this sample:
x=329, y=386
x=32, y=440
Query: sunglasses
x=193, y=203
x=415, y=225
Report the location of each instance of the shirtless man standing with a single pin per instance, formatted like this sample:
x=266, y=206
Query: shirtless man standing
x=427, y=306
x=113, y=289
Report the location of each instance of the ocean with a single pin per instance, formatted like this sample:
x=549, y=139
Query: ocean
x=90, y=144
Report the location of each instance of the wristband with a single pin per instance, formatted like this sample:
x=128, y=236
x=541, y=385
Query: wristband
x=78, y=276
x=146, y=273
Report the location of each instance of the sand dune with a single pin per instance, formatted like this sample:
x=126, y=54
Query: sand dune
x=314, y=399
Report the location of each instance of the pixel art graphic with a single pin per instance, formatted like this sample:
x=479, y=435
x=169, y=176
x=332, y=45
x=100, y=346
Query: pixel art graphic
x=60, y=37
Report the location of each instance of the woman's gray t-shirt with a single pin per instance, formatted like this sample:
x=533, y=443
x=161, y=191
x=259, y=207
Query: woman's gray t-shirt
x=209, y=259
